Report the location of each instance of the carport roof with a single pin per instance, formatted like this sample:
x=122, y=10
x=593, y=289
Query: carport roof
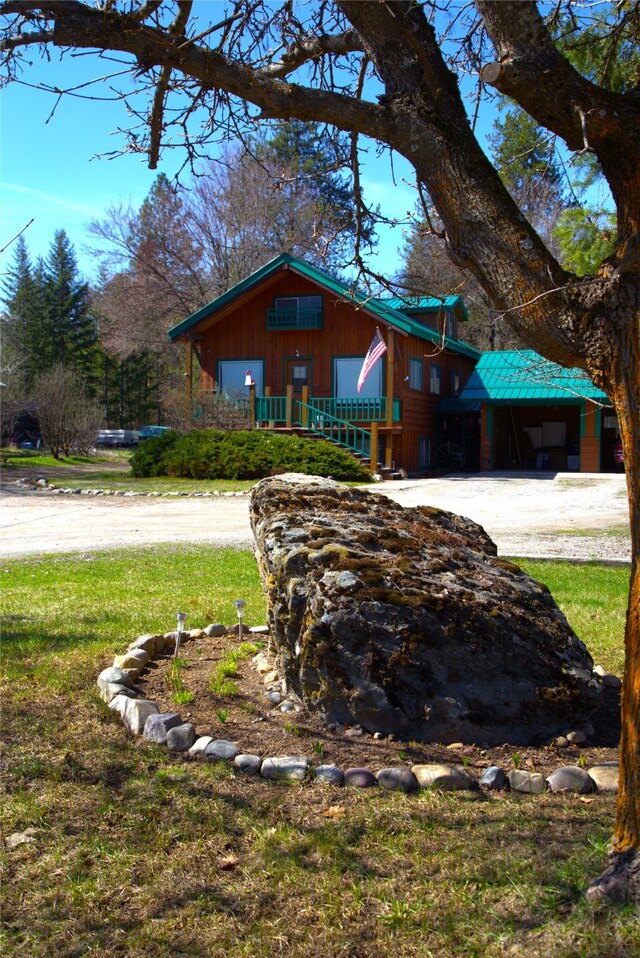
x=525, y=376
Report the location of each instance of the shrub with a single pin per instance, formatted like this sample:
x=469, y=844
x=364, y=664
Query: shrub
x=148, y=459
x=244, y=454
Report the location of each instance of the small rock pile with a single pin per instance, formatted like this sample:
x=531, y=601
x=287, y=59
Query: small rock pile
x=143, y=717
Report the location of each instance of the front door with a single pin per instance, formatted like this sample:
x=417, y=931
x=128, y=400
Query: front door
x=298, y=374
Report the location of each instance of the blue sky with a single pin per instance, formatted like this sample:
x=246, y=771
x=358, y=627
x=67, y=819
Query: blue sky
x=52, y=171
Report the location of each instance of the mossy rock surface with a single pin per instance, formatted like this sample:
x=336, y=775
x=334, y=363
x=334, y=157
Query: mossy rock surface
x=403, y=620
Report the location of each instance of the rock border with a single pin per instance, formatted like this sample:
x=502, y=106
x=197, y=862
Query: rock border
x=143, y=717
x=43, y=485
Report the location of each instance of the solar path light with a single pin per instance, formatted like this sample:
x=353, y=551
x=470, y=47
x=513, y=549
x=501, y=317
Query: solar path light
x=181, y=616
x=240, y=606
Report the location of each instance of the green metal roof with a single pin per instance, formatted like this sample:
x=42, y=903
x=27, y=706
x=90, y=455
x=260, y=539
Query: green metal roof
x=377, y=308
x=525, y=376
x=424, y=304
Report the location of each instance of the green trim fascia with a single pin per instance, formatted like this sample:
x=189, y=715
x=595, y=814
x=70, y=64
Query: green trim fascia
x=575, y=401
x=225, y=298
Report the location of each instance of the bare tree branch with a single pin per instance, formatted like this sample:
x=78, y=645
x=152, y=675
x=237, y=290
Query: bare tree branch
x=305, y=50
x=531, y=70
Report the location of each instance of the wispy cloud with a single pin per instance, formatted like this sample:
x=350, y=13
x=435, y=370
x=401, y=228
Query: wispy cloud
x=51, y=199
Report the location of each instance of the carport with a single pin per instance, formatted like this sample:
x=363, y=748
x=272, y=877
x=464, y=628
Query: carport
x=536, y=415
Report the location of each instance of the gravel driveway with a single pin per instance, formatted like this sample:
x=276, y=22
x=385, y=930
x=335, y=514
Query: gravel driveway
x=543, y=514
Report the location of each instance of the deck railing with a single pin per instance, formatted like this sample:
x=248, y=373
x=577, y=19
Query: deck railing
x=271, y=409
x=213, y=411
x=274, y=409
x=331, y=427
x=355, y=410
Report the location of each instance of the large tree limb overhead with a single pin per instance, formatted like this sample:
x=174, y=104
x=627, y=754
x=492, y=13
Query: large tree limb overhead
x=304, y=51
x=421, y=115
x=80, y=26
x=532, y=71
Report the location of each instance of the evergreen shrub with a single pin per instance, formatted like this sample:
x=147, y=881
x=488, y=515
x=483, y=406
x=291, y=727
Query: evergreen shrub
x=242, y=454
x=148, y=458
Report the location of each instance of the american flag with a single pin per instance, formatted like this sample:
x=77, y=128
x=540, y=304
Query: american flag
x=376, y=350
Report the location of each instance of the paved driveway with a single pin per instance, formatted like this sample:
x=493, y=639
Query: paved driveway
x=533, y=514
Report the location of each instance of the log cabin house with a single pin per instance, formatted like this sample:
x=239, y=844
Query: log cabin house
x=283, y=349
x=287, y=345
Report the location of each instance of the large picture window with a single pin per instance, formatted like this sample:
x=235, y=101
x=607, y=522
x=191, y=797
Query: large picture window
x=232, y=374
x=346, y=374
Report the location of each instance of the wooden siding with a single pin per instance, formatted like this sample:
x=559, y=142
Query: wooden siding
x=240, y=332
x=590, y=439
x=243, y=332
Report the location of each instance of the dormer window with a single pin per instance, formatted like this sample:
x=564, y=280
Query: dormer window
x=295, y=312
x=450, y=326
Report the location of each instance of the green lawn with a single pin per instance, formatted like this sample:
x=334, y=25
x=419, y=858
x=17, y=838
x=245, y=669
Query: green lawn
x=594, y=599
x=136, y=853
x=110, y=472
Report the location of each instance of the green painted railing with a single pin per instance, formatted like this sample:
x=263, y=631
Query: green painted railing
x=332, y=428
x=302, y=317
x=355, y=410
x=274, y=409
x=271, y=408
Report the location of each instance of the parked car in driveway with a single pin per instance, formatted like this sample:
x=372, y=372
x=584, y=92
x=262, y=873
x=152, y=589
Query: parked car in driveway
x=148, y=432
x=117, y=438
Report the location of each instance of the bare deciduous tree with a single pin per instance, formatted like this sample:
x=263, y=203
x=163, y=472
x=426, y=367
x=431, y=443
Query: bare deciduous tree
x=69, y=421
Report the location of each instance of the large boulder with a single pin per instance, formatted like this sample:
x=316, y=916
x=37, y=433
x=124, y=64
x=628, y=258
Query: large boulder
x=405, y=621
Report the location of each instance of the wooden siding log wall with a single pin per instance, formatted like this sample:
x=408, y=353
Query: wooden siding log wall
x=240, y=332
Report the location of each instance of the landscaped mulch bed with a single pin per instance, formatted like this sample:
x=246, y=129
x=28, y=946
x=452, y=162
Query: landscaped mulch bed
x=258, y=727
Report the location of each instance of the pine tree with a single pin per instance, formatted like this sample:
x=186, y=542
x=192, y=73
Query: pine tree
x=525, y=157
x=21, y=323
x=69, y=333
x=47, y=318
x=319, y=212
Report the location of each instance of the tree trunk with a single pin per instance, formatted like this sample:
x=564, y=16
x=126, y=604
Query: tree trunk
x=621, y=881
